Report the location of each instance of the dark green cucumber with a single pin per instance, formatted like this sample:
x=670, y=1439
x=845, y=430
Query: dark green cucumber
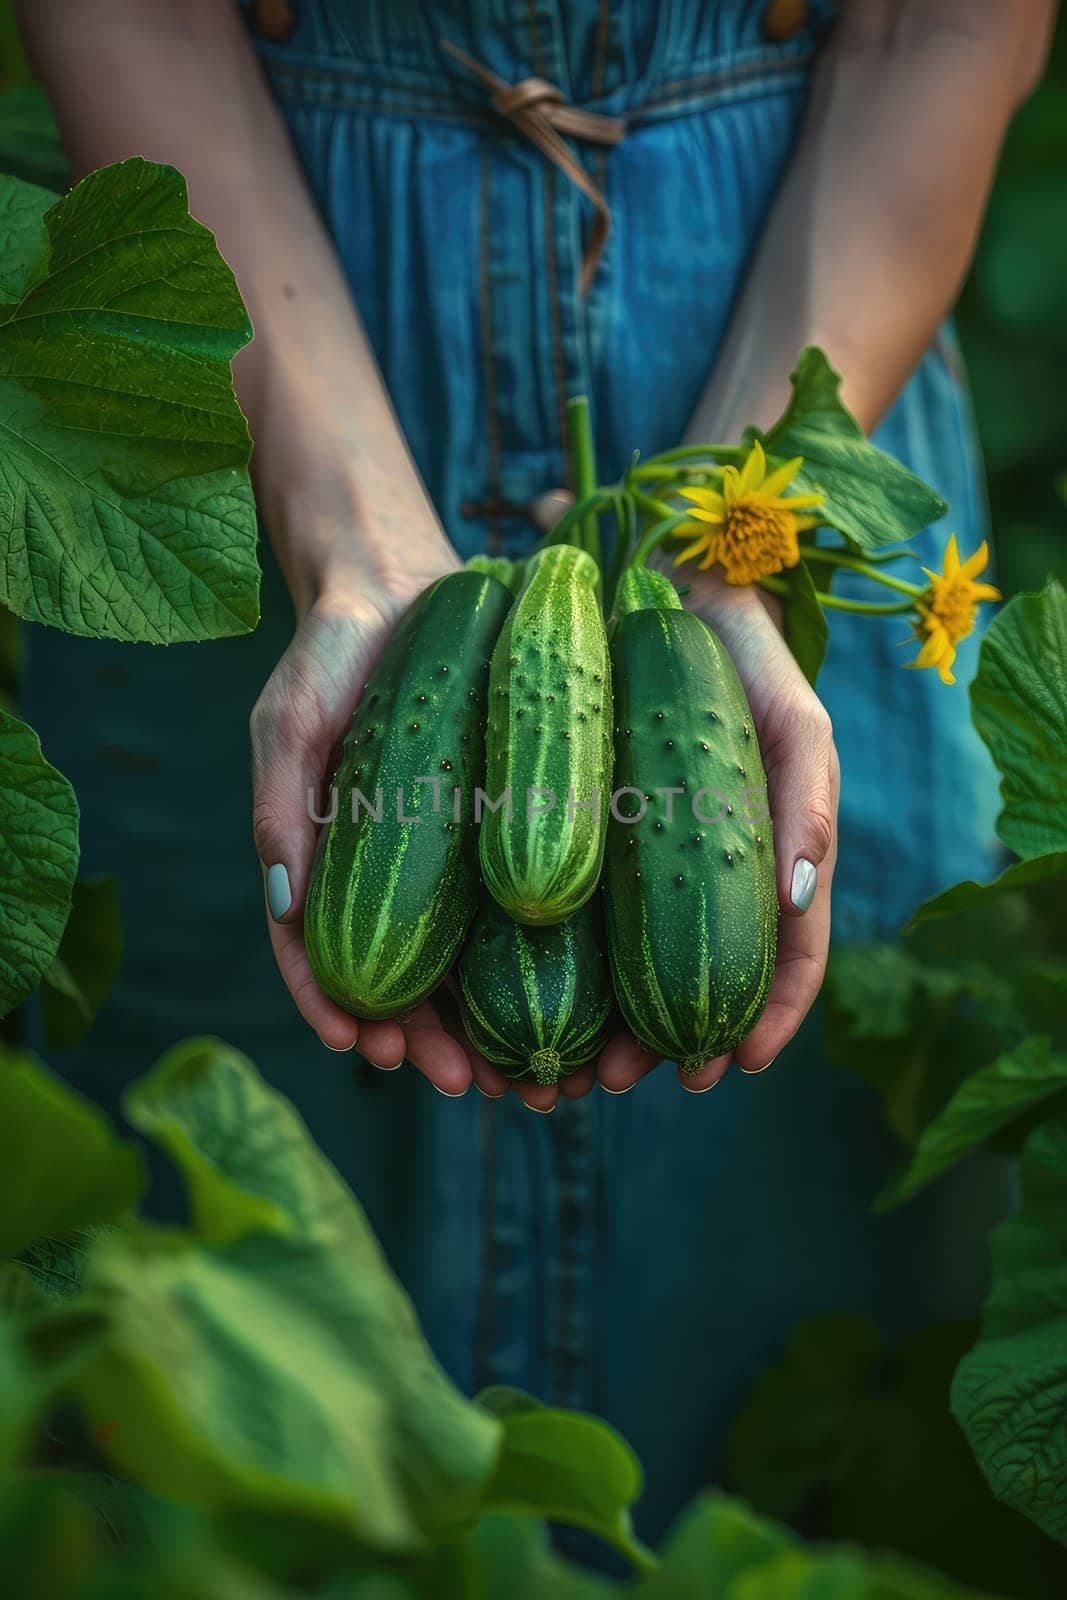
x=690, y=903
x=390, y=899
x=549, y=742
x=536, y=1001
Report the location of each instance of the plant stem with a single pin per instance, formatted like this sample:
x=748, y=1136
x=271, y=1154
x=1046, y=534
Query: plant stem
x=581, y=438
x=574, y=518
x=688, y=452
x=653, y=507
x=833, y=602
x=851, y=563
x=654, y=536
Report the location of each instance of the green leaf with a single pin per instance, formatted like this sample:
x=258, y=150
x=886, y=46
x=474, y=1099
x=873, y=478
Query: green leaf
x=514, y=1558
x=1010, y=1391
x=38, y=859
x=283, y=1370
x=89, y=960
x=1019, y=706
x=19, y=1396
x=847, y=1440
x=23, y=235
x=983, y=1104
x=30, y=147
x=970, y=896
x=869, y=497
x=720, y=1550
x=886, y=1010
x=125, y=506
x=807, y=632
x=62, y=1165
x=565, y=1466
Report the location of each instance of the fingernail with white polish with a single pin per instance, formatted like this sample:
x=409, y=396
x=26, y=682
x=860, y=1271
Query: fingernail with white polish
x=279, y=894
x=489, y=1096
x=754, y=1072
x=450, y=1094
x=341, y=1049
x=606, y=1090
x=542, y=1111
x=805, y=880
x=713, y=1085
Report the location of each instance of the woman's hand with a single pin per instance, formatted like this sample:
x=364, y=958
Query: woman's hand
x=297, y=725
x=347, y=605
x=796, y=741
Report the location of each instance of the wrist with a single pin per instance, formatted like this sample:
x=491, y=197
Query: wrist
x=335, y=544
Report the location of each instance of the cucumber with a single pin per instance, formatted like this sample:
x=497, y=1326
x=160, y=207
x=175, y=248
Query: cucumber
x=549, y=743
x=390, y=900
x=536, y=1001
x=639, y=588
x=690, y=905
x=503, y=568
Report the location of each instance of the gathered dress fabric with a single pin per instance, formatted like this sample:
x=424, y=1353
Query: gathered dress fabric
x=641, y=1256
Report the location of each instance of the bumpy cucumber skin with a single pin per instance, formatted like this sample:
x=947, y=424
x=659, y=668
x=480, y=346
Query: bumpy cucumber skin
x=389, y=902
x=640, y=588
x=691, y=907
x=537, y=1001
x=549, y=728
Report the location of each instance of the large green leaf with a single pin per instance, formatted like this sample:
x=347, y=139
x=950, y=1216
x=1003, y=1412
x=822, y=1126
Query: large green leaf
x=720, y=1550
x=1010, y=1391
x=38, y=859
x=62, y=1165
x=984, y=1103
x=86, y=965
x=846, y=1440
x=283, y=1369
x=886, y=1013
x=565, y=1466
x=125, y=505
x=869, y=497
x=972, y=896
x=1019, y=706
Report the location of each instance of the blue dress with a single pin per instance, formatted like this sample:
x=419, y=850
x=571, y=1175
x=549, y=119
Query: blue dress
x=642, y=1256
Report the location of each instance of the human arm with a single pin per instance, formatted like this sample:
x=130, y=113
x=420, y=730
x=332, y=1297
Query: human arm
x=353, y=529
x=863, y=253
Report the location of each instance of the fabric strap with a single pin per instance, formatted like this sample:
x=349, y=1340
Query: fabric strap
x=540, y=111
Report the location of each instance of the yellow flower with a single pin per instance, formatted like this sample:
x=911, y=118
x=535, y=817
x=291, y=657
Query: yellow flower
x=949, y=606
x=751, y=527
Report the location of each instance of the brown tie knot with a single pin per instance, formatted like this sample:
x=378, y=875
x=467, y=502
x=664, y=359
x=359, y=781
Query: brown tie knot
x=539, y=110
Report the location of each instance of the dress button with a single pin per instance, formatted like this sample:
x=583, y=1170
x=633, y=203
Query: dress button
x=783, y=18
x=274, y=19
x=547, y=509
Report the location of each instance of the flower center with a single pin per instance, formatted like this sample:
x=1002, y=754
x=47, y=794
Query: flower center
x=954, y=607
x=757, y=539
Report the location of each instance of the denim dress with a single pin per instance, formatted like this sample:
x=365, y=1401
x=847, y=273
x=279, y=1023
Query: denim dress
x=640, y=1256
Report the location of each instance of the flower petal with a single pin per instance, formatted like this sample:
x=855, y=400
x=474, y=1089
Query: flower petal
x=782, y=476
x=753, y=471
x=976, y=563
x=692, y=550
x=951, y=563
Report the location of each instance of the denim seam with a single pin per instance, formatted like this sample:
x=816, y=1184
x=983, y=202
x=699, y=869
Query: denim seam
x=485, y=311
x=701, y=93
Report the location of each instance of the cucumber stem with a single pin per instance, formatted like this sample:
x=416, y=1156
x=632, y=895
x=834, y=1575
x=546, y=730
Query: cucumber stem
x=545, y=1065
x=580, y=428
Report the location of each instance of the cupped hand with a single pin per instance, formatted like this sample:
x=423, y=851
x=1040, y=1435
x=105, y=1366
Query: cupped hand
x=297, y=725
x=803, y=778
